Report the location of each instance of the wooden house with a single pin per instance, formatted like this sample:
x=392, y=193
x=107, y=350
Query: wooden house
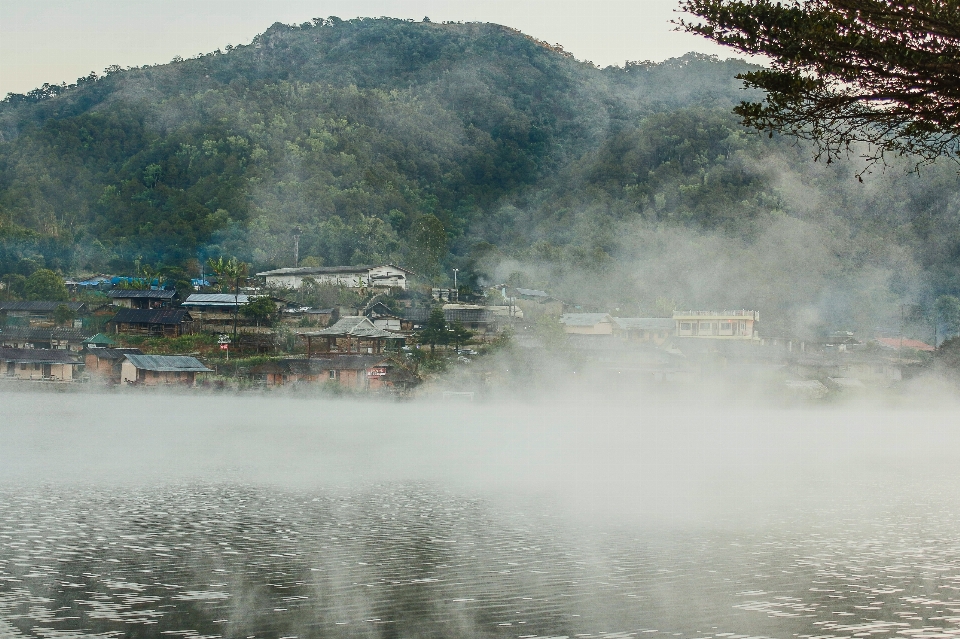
x=38, y=364
x=141, y=299
x=156, y=370
x=358, y=372
x=34, y=337
x=40, y=314
x=723, y=325
x=350, y=336
x=587, y=323
x=161, y=322
x=656, y=330
x=104, y=364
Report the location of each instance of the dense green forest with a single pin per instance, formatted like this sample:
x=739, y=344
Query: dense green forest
x=469, y=146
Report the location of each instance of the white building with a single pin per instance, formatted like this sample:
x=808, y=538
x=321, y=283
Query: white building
x=387, y=276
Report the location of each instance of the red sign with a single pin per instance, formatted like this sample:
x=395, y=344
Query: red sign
x=223, y=347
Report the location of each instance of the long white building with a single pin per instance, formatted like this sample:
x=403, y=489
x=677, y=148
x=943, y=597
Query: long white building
x=386, y=275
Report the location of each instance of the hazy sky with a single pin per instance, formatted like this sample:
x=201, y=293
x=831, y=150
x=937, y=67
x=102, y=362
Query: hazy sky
x=59, y=40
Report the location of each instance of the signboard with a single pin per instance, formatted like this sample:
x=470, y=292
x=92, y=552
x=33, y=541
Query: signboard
x=223, y=347
x=377, y=371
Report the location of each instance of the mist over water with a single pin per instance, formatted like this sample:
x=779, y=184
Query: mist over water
x=581, y=514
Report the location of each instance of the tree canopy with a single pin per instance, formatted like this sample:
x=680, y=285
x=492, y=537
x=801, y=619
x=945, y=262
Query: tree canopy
x=881, y=72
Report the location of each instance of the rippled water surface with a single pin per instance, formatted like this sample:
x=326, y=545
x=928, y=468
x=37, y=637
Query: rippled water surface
x=409, y=560
x=204, y=516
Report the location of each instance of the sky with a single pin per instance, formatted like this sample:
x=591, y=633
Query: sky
x=60, y=40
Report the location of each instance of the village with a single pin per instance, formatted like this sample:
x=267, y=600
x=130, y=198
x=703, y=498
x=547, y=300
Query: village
x=386, y=334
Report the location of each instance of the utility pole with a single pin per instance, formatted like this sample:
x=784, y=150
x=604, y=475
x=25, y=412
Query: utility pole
x=297, y=231
x=456, y=290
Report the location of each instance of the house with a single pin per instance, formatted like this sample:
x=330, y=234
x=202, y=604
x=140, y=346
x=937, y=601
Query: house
x=57, y=365
x=220, y=309
x=383, y=316
x=32, y=337
x=385, y=275
x=141, y=299
x=478, y=319
x=898, y=343
x=350, y=335
x=39, y=314
x=313, y=316
x=155, y=370
x=729, y=325
x=161, y=322
x=645, y=329
x=532, y=302
x=587, y=323
x=359, y=372
x=104, y=364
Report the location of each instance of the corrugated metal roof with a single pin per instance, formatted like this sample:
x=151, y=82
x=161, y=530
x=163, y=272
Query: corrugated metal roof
x=114, y=353
x=644, y=323
x=479, y=315
x=41, y=334
x=353, y=327
x=166, y=316
x=217, y=299
x=167, y=363
x=584, y=319
x=330, y=270
x=99, y=338
x=161, y=294
x=41, y=306
x=529, y=292
x=37, y=355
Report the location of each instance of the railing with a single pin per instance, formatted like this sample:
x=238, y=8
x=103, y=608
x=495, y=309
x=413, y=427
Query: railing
x=755, y=315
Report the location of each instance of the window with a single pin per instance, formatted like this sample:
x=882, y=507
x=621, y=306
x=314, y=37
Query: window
x=684, y=326
x=333, y=374
x=704, y=327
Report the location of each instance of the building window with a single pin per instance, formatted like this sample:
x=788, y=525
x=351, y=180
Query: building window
x=333, y=374
x=704, y=327
x=684, y=326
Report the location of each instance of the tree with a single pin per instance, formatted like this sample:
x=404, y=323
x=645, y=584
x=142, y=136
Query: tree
x=44, y=284
x=458, y=333
x=947, y=308
x=435, y=331
x=881, y=72
x=63, y=315
x=262, y=310
x=232, y=271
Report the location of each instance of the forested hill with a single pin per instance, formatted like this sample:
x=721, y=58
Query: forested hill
x=369, y=128
x=431, y=145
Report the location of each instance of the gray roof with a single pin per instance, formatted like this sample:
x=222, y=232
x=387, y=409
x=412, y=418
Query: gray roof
x=470, y=315
x=41, y=306
x=166, y=316
x=217, y=299
x=644, y=323
x=166, y=363
x=584, y=319
x=37, y=356
x=354, y=327
x=529, y=292
x=329, y=270
x=151, y=294
x=29, y=333
x=114, y=353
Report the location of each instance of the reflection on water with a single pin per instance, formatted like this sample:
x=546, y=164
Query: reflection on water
x=410, y=560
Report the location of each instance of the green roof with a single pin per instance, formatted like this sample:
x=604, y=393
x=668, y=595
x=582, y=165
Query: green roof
x=100, y=338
